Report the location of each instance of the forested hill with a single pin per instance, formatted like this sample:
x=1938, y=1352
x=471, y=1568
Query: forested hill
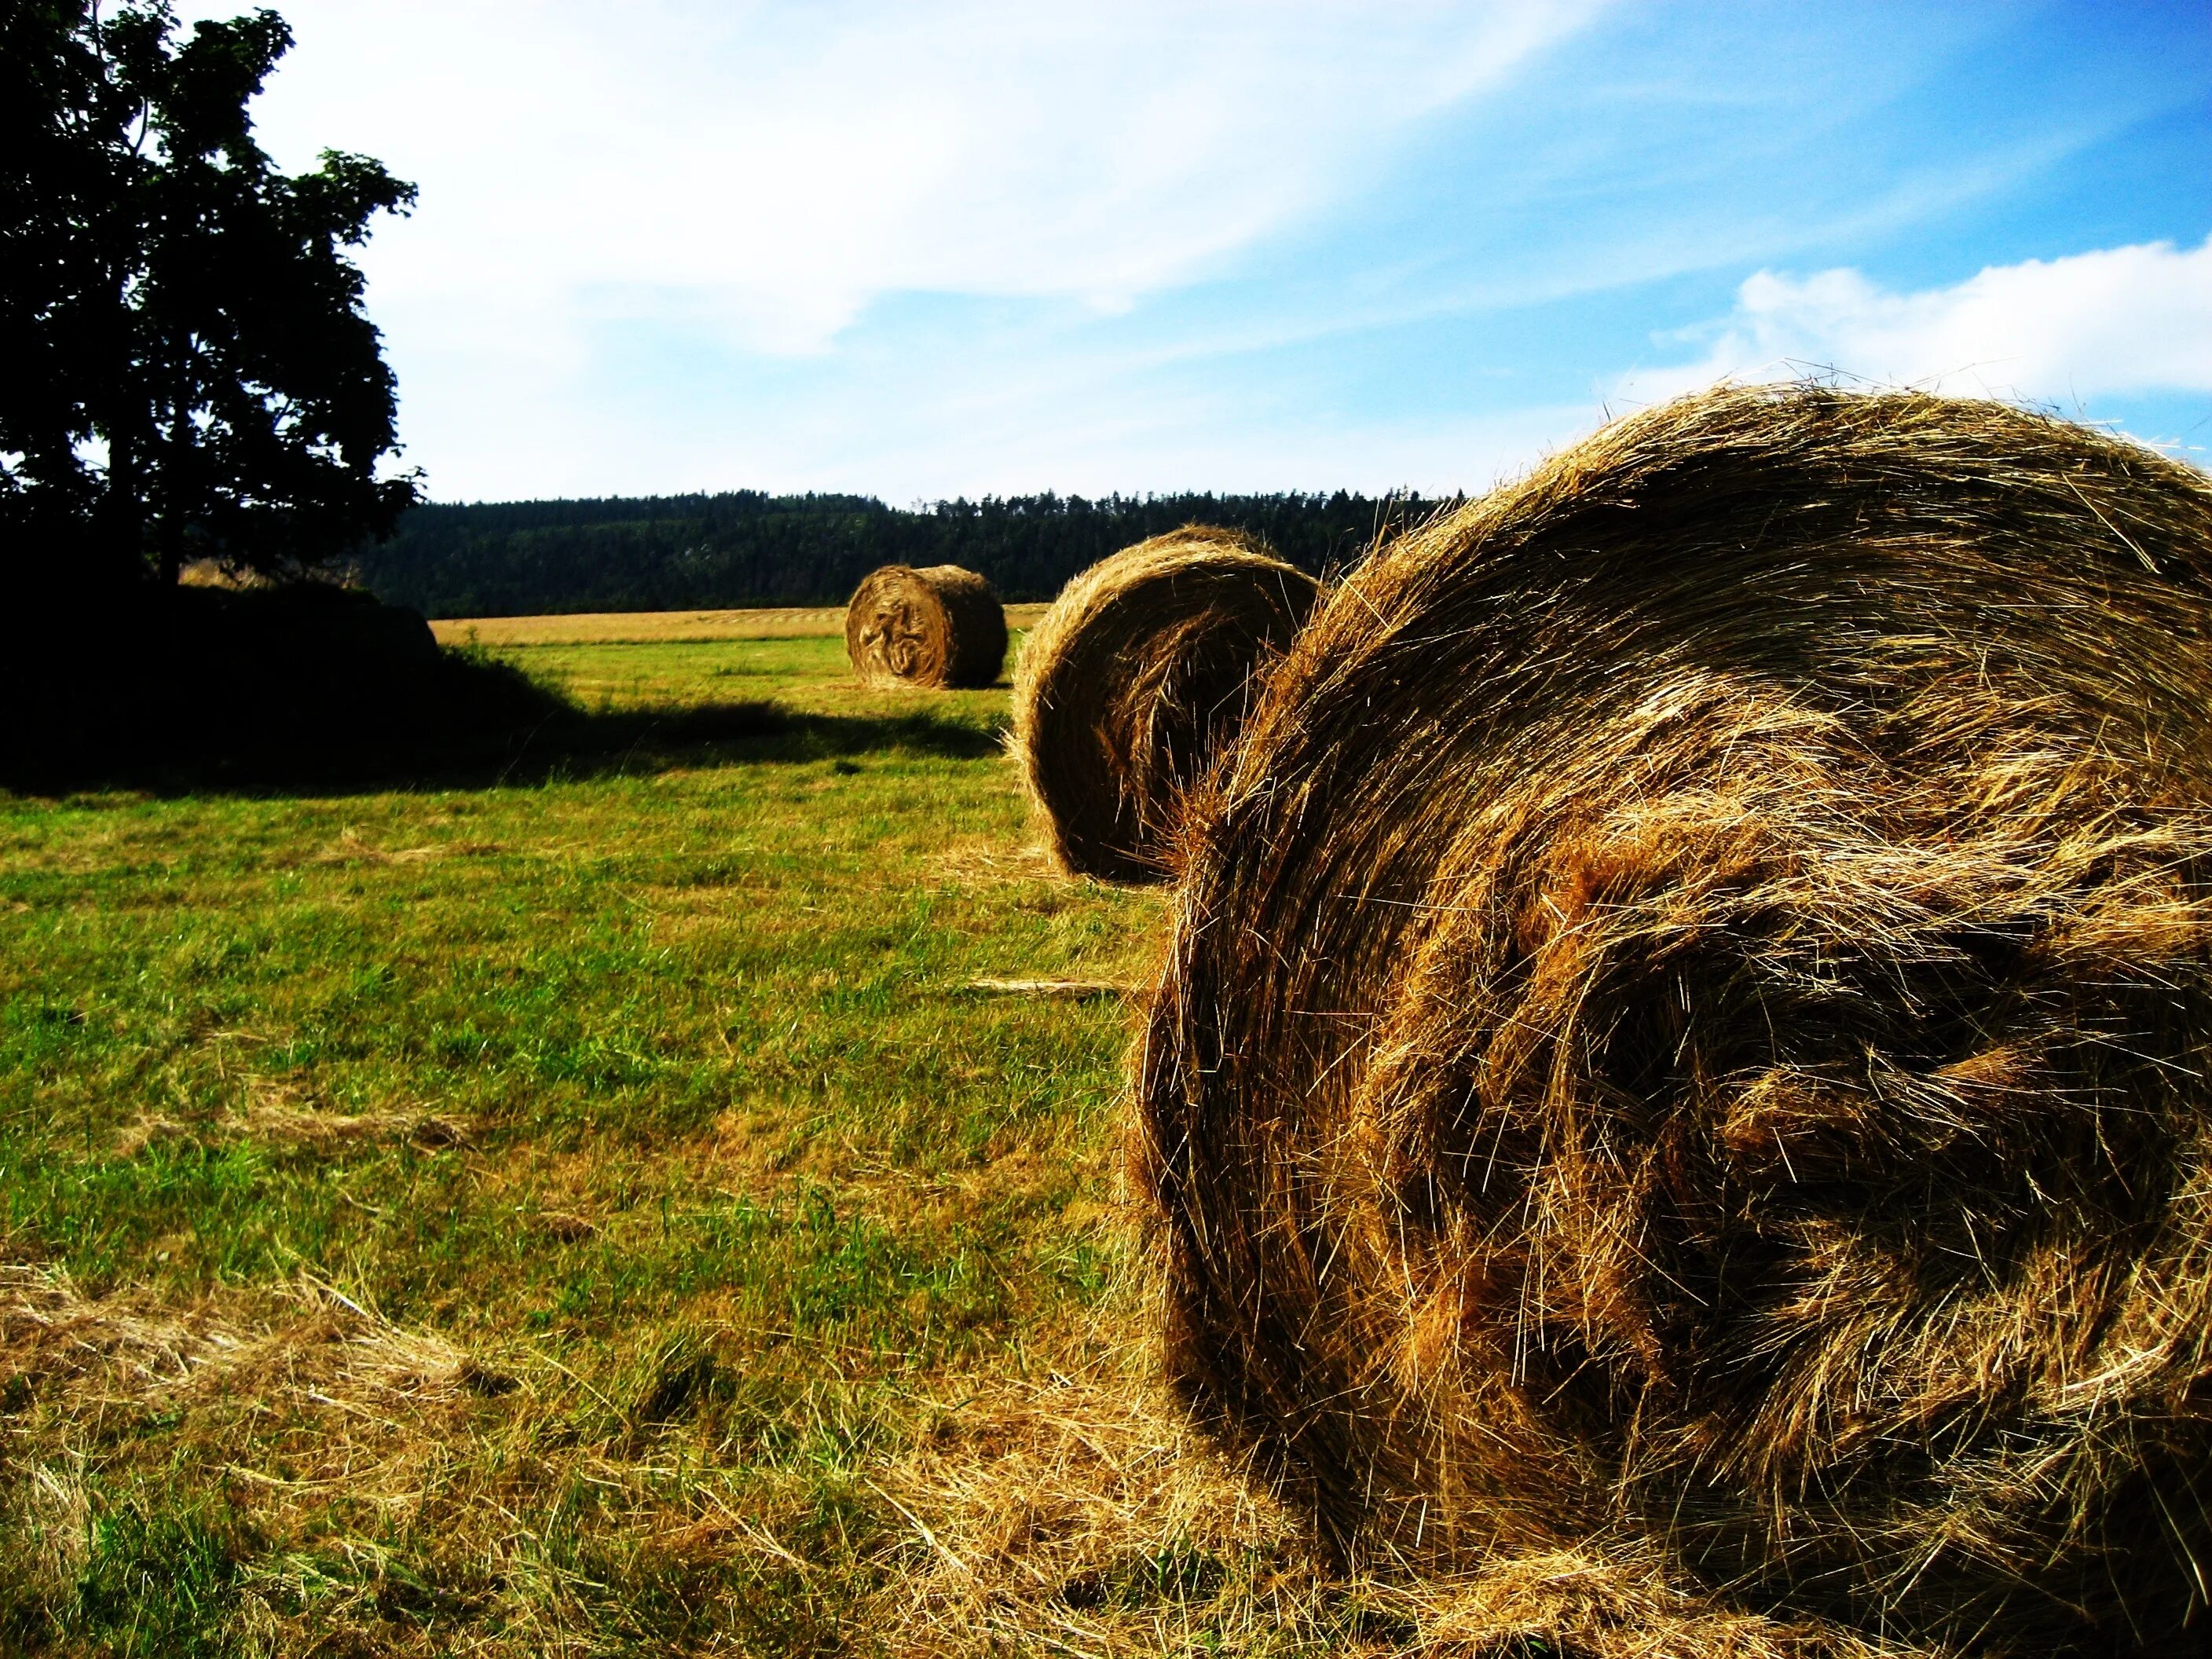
x=686, y=552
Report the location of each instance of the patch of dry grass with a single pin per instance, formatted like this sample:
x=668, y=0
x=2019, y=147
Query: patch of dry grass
x=276, y=1112
x=666, y=627
x=978, y=861
x=1055, y=988
x=1081, y=1512
x=1063, y=1505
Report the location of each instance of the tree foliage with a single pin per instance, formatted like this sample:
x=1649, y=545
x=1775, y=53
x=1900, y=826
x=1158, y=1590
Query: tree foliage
x=191, y=371
x=746, y=547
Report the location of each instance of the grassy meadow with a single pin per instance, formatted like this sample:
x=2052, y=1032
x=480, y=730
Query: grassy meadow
x=595, y=1211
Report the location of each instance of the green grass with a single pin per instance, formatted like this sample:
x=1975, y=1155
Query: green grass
x=806, y=675
x=566, y=1216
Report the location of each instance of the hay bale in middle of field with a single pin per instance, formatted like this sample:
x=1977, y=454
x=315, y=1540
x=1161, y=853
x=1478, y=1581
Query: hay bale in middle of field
x=1139, y=672
x=939, y=626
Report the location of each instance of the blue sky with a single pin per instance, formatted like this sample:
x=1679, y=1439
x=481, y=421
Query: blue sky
x=920, y=249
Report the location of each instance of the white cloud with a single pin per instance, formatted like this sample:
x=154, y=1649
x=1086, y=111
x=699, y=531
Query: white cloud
x=2112, y=323
x=771, y=168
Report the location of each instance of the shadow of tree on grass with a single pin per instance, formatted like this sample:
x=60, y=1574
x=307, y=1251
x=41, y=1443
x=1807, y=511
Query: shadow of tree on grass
x=307, y=707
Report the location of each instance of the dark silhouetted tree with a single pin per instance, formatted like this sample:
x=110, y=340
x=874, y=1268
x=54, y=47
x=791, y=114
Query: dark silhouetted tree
x=190, y=372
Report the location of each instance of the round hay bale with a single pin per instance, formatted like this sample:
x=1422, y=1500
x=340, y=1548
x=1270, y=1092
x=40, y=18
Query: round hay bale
x=1134, y=680
x=1689, y=1023
x=939, y=626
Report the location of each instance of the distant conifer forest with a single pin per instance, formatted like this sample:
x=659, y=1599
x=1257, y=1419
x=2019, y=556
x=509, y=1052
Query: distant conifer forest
x=748, y=548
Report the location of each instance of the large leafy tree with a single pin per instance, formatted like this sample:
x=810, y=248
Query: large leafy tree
x=189, y=371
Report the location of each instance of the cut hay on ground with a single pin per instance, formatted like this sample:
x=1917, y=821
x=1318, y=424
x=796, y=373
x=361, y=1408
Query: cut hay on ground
x=1141, y=672
x=1078, y=1513
x=1072, y=1513
x=1686, y=1040
x=1073, y=989
x=938, y=627
x=127, y=1353
x=276, y=1112
x=357, y=1461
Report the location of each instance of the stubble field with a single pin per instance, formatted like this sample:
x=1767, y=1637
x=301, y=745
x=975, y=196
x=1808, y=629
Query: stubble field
x=597, y=1212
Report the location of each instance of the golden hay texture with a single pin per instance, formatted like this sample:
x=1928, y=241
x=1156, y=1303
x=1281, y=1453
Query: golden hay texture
x=1079, y=1513
x=939, y=626
x=1136, y=676
x=1686, y=1031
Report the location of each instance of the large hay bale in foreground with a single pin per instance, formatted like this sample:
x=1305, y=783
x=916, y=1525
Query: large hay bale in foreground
x=1689, y=1027
x=939, y=626
x=1136, y=678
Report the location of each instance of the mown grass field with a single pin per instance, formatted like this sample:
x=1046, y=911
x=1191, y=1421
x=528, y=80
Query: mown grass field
x=595, y=1214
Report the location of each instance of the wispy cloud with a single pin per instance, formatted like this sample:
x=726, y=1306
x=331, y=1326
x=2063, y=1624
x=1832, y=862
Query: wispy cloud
x=930, y=246
x=2115, y=322
x=768, y=169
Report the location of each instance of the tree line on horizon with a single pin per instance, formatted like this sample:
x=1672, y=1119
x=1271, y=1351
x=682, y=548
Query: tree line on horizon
x=747, y=547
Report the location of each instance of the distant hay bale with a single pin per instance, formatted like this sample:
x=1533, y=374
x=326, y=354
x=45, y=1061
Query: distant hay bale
x=941, y=626
x=1688, y=1025
x=1136, y=675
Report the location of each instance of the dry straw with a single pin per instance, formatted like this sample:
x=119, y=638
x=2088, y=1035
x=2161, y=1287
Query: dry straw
x=938, y=627
x=1138, y=676
x=1687, y=1034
